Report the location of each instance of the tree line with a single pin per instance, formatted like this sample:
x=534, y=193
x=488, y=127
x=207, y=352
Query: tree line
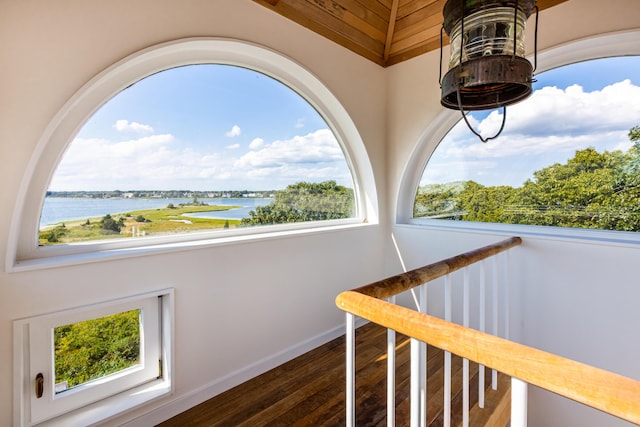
x=305, y=201
x=299, y=202
x=159, y=194
x=591, y=190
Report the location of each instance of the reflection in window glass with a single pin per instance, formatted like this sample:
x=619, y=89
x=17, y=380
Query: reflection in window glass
x=197, y=148
x=92, y=349
x=569, y=155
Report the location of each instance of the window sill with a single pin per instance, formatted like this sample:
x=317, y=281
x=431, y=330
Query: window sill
x=89, y=253
x=582, y=235
x=101, y=411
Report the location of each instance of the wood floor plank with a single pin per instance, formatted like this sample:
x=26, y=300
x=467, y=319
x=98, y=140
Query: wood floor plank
x=499, y=401
x=310, y=390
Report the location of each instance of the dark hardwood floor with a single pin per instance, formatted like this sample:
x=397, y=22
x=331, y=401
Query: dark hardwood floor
x=310, y=390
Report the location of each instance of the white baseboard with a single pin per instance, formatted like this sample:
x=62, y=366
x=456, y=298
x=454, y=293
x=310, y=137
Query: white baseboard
x=181, y=403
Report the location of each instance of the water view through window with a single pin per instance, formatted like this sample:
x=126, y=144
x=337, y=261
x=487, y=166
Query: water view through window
x=569, y=155
x=197, y=148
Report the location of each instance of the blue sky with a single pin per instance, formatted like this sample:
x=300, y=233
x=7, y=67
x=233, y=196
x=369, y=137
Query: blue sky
x=204, y=127
x=217, y=127
x=588, y=104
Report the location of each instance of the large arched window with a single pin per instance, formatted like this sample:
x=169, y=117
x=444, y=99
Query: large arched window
x=569, y=156
x=190, y=141
x=194, y=148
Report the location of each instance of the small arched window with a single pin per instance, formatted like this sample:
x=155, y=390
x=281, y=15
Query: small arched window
x=192, y=140
x=569, y=155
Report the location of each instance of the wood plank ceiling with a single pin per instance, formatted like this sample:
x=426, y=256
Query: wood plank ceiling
x=384, y=31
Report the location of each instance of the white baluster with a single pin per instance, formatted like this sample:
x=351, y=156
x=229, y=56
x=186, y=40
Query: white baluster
x=505, y=284
x=391, y=373
x=483, y=297
x=495, y=291
x=519, y=396
x=465, y=362
x=423, y=362
x=447, y=355
x=415, y=383
x=351, y=370
x=419, y=369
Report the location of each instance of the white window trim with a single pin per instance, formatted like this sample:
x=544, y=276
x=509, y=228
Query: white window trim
x=622, y=43
x=78, y=254
x=93, y=410
x=23, y=252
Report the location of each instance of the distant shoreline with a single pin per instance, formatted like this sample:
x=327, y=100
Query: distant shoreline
x=161, y=194
x=136, y=223
x=57, y=210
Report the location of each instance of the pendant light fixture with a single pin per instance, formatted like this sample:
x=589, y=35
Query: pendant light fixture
x=487, y=68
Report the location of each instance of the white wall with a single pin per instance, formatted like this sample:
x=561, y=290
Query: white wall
x=573, y=298
x=239, y=304
x=236, y=304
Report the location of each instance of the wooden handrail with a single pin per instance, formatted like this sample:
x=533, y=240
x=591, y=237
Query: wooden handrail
x=600, y=389
x=394, y=285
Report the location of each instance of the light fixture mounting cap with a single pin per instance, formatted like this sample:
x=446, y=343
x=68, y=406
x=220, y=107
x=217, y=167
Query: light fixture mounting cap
x=455, y=10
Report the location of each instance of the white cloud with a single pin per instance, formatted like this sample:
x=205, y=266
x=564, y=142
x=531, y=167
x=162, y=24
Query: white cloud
x=162, y=162
x=547, y=128
x=84, y=150
x=127, y=126
x=317, y=147
x=103, y=164
x=233, y=132
x=315, y=156
x=256, y=144
x=154, y=162
x=299, y=124
x=556, y=111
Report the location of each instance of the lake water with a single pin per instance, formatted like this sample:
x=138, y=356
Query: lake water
x=58, y=209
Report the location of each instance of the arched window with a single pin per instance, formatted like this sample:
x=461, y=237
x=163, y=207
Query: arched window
x=193, y=140
x=569, y=155
x=194, y=148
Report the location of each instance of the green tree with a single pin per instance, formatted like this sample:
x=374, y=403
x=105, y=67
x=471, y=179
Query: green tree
x=109, y=225
x=634, y=134
x=54, y=234
x=439, y=200
x=590, y=190
x=623, y=205
x=305, y=201
x=94, y=348
x=484, y=204
x=566, y=195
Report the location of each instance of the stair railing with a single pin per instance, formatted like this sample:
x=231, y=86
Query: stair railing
x=606, y=391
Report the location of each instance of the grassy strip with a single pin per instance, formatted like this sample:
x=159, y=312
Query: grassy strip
x=168, y=220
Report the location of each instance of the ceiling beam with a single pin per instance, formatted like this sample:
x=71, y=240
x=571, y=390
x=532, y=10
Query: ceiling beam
x=390, y=30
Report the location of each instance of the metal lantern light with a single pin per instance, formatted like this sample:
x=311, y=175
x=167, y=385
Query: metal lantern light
x=487, y=68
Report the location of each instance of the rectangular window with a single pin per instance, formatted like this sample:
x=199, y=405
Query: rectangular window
x=92, y=350
x=69, y=361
